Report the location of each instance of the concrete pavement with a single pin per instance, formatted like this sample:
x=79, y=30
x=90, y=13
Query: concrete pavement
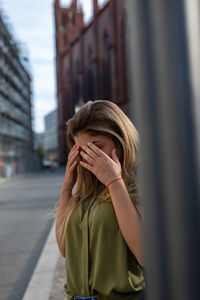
x=48, y=277
x=59, y=278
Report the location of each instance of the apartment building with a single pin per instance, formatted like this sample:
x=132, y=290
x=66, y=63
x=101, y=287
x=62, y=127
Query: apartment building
x=51, y=136
x=16, y=136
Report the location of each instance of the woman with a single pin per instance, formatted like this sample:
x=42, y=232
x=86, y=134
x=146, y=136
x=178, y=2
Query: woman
x=99, y=225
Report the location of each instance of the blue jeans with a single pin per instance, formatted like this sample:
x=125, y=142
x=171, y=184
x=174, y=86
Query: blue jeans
x=85, y=298
x=90, y=298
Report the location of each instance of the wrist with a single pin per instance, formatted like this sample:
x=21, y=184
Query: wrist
x=111, y=182
x=116, y=186
x=66, y=190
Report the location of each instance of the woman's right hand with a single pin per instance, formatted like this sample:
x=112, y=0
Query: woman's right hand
x=71, y=168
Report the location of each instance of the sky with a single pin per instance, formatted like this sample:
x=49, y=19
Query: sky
x=32, y=23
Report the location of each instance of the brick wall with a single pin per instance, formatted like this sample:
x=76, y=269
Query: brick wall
x=90, y=60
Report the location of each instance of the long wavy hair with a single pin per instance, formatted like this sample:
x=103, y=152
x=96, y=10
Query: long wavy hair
x=102, y=117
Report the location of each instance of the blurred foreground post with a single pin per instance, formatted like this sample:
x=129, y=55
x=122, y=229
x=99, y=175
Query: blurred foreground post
x=164, y=88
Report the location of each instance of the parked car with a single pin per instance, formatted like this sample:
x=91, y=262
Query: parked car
x=47, y=163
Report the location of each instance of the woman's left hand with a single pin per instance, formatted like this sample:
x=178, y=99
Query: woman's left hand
x=100, y=164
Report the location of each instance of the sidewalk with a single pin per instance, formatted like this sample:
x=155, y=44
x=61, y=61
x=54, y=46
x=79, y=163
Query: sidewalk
x=48, y=278
x=57, y=290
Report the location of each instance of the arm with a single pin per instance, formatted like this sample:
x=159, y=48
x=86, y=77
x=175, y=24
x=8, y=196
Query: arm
x=66, y=192
x=106, y=169
x=128, y=219
x=64, y=200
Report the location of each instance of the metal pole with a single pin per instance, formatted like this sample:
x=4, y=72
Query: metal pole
x=162, y=107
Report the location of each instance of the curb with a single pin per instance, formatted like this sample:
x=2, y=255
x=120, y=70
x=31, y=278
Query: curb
x=40, y=285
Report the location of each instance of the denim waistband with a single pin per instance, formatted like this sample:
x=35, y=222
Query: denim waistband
x=84, y=298
x=91, y=298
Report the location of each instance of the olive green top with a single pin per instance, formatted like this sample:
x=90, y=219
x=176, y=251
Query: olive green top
x=98, y=260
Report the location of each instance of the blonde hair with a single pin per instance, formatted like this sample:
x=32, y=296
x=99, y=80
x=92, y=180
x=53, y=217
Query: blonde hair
x=102, y=117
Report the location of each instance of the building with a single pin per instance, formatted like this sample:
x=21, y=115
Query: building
x=16, y=138
x=38, y=140
x=90, y=59
x=51, y=136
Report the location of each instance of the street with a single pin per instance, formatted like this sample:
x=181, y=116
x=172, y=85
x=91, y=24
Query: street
x=25, y=204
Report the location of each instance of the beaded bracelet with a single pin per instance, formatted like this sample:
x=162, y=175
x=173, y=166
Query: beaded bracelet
x=113, y=181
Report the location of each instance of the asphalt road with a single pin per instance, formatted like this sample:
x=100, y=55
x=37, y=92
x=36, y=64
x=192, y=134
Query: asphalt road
x=25, y=204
